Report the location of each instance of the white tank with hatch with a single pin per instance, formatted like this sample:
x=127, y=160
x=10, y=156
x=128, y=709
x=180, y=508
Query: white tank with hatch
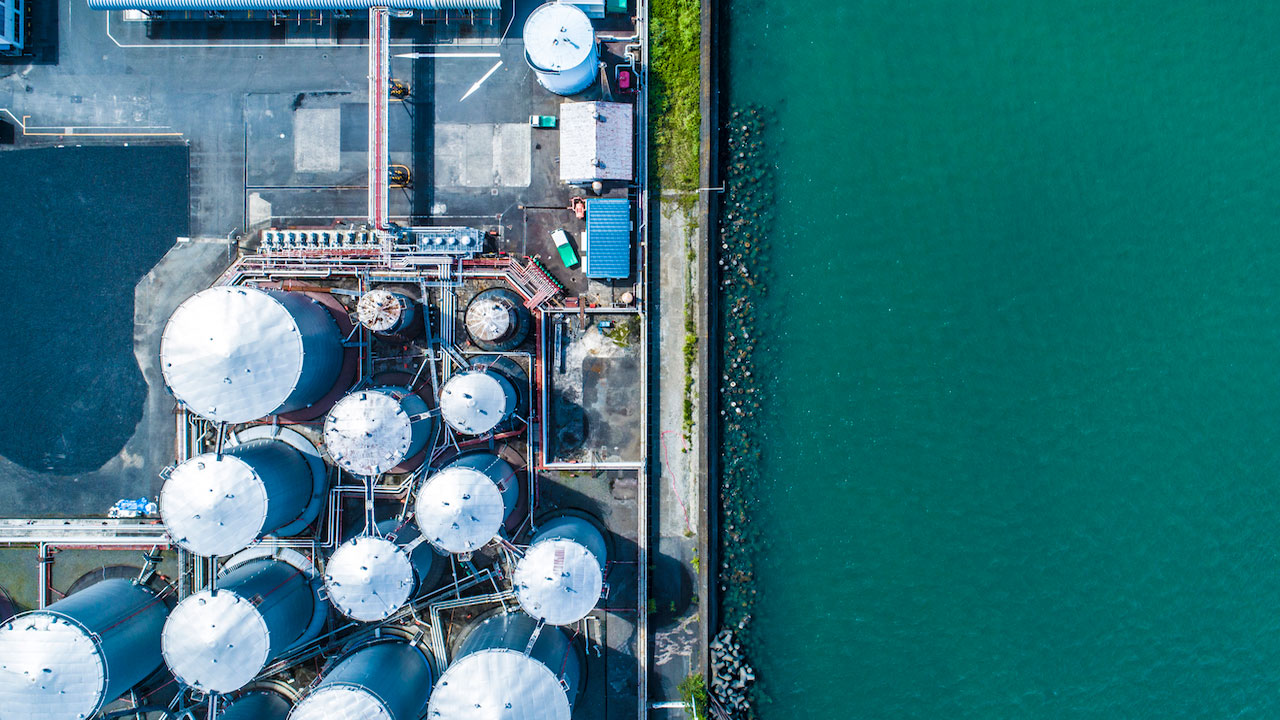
x=67, y=661
x=237, y=354
x=474, y=402
x=560, y=46
x=560, y=578
x=371, y=431
x=464, y=506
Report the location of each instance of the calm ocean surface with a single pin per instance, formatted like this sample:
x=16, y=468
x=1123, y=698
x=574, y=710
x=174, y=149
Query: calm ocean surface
x=1024, y=365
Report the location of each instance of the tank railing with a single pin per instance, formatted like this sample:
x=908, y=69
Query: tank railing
x=435, y=622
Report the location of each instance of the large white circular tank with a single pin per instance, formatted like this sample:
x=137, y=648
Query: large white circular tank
x=219, y=640
x=385, y=681
x=463, y=507
x=218, y=504
x=491, y=677
x=236, y=354
x=561, y=576
x=560, y=46
x=474, y=402
x=79, y=653
x=371, y=431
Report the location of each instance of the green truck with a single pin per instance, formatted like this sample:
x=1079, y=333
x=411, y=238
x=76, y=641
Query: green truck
x=567, y=255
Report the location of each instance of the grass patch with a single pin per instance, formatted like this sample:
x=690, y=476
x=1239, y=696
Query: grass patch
x=675, y=117
x=693, y=691
x=624, y=333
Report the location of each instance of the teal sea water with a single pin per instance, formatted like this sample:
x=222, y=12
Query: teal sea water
x=1023, y=376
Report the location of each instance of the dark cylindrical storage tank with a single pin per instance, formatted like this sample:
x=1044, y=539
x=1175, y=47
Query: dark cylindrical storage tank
x=219, y=640
x=387, y=313
x=236, y=354
x=497, y=320
x=474, y=402
x=371, y=431
x=491, y=677
x=217, y=504
x=257, y=705
x=80, y=653
x=370, y=577
x=560, y=578
x=389, y=680
x=464, y=505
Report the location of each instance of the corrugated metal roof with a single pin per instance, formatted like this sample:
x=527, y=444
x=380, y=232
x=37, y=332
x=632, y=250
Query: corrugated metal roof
x=607, y=242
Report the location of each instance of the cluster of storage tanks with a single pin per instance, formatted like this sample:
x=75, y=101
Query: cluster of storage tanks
x=242, y=356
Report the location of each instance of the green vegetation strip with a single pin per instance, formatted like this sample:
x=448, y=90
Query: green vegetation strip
x=675, y=37
x=693, y=691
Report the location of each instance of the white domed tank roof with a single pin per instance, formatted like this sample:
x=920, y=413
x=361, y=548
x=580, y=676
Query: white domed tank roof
x=489, y=320
x=64, y=674
x=474, y=402
x=218, y=504
x=82, y=652
x=341, y=702
x=219, y=640
x=560, y=46
x=369, y=578
x=558, y=581
x=499, y=684
x=216, y=642
x=459, y=510
x=371, y=431
x=236, y=354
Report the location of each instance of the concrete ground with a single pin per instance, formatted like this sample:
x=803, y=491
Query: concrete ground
x=673, y=476
x=595, y=389
x=184, y=270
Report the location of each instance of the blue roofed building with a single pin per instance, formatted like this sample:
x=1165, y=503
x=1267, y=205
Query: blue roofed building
x=607, y=241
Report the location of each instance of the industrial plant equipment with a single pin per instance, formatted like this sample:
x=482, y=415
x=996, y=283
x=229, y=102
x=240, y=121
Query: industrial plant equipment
x=476, y=401
x=257, y=705
x=236, y=354
x=80, y=653
x=218, y=640
x=218, y=503
x=560, y=578
x=465, y=505
x=371, y=431
x=560, y=46
x=497, y=320
x=493, y=678
x=386, y=680
x=371, y=576
x=386, y=313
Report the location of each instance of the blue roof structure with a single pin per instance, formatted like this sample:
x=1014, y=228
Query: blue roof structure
x=607, y=242
x=293, y=4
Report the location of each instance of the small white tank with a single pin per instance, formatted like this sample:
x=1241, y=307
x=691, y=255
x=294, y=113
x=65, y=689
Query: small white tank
x=463, y=507
x=560, y=46
x=371, y=431
x=475, y=402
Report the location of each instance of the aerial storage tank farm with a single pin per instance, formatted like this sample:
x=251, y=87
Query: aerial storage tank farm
x=80, y=653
